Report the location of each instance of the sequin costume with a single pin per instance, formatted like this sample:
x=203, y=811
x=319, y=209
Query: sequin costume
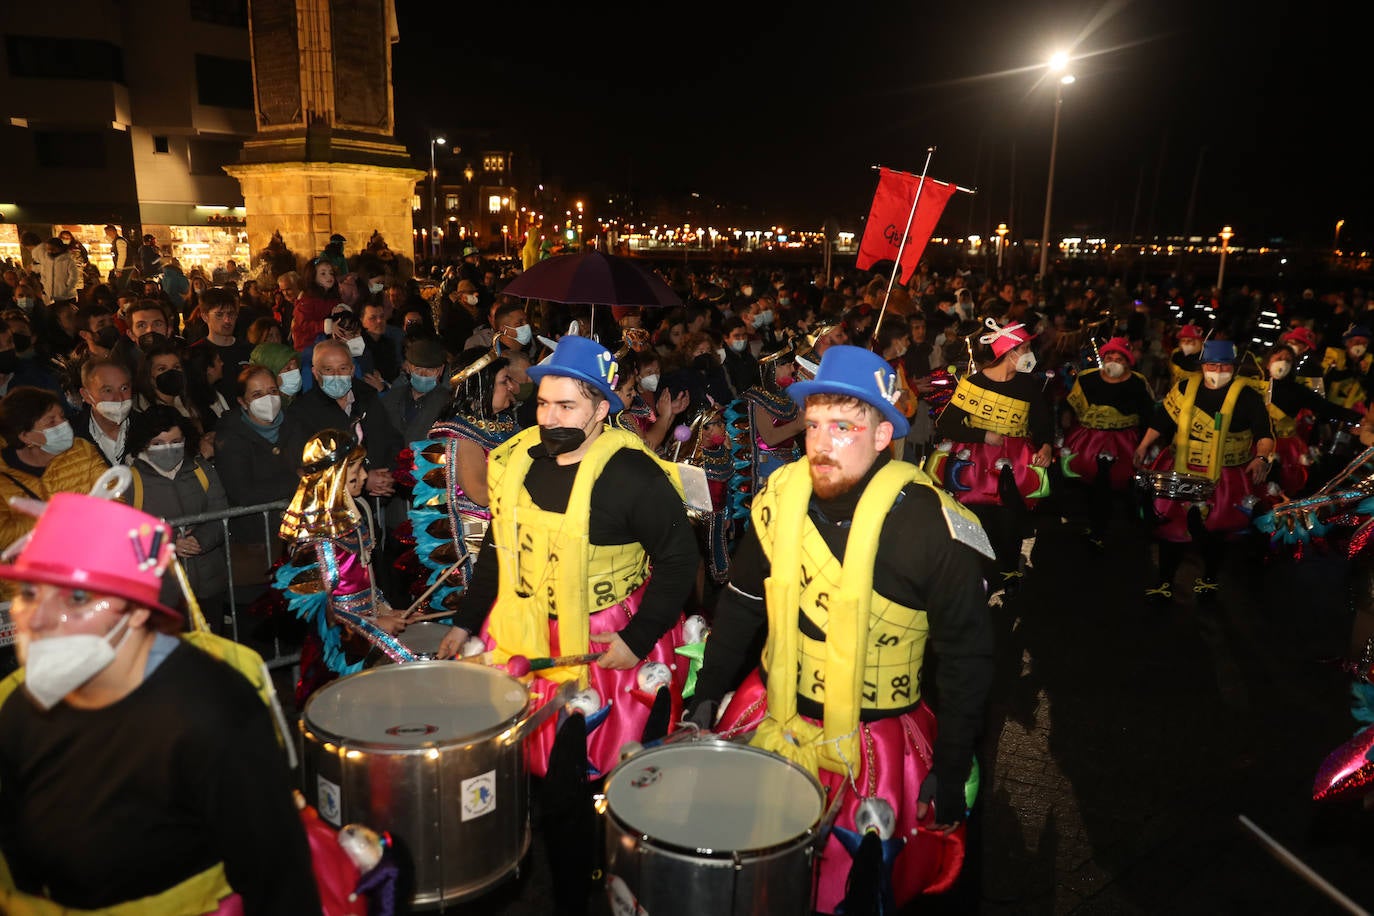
x=442, y=516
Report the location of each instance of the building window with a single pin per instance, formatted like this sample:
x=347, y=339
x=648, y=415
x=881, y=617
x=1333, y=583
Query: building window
x=160, y=144
x=494, y=163
x=494, y=203
x=69, y=149
x=233, y=13
x=44, y=57
x=415, y=201
x=224, y=82
x=450, y=201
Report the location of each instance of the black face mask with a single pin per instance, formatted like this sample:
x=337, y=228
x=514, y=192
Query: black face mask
x=151, y=339
x=559, y=440
x=22, y=342
x=705, y=363
x=171, y=383
x=9, y=361
x=107, y=337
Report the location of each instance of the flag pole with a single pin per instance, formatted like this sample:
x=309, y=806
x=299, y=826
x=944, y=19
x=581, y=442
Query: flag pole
x=897, y=265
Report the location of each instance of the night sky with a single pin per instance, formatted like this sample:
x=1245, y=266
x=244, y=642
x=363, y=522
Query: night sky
x=784, y=108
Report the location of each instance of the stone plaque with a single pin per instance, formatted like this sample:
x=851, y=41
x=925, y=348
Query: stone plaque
x=276, y=63
x=362, y=72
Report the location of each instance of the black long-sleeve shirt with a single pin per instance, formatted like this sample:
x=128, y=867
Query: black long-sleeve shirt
x=109, y=805
x=1291, y=397
x=953, y=421
x=632, y=501
x=918, y=565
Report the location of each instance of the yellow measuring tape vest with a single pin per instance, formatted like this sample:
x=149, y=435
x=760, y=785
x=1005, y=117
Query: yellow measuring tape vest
x=200, y=893
x=1202, y=440
x=871, y=657
x=1099, y=416
x=990, y=410
x=1284, y=425
x=548, y=565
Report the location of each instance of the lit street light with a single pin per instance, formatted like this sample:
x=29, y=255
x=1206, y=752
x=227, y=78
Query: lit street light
x=1057, y=63
x=434, y=197
x=1226, y=235
x=1002, y=231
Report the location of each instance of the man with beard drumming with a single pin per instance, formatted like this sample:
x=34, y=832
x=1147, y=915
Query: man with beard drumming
x=853, y=560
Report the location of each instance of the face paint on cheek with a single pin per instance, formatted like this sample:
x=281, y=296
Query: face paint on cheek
x=840, y=441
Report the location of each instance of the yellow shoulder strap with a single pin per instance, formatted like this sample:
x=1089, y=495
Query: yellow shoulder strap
x=137, y=501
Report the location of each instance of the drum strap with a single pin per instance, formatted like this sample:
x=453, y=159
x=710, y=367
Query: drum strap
x=782, y=523
x=1211, y=432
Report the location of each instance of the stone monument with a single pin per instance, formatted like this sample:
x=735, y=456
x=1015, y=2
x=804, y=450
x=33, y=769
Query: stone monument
x=324, y=160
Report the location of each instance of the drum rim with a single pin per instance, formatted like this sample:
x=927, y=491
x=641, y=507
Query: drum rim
x=716, y=745
x=310, y=729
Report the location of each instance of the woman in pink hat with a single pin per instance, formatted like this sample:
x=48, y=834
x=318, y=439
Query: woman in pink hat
x=138, y=774
x=998, y=442
x=1109, y=408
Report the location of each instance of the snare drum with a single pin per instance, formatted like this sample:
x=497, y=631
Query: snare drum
x=1177, y=486
x=710, y=826
x=423, y=638
x=430, y=752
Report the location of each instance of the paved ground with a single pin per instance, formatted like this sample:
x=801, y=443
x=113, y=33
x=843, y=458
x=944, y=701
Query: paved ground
x=1124, y=742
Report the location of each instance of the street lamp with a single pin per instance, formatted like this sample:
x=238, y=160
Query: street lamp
x=1336, y=242
x=434, y=196
x=1226, y=235
x=1002, y=231
x=1057, y=62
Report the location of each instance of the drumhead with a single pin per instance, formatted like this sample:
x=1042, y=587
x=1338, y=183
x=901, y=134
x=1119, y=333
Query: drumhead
x=419, y=704
x=714, y=796
x=423, y=638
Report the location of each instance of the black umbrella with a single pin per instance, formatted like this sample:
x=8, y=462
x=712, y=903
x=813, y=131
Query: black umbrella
x=593, y=278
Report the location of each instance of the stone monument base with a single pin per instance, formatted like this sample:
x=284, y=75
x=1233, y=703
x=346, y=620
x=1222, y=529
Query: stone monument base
x=307, y=202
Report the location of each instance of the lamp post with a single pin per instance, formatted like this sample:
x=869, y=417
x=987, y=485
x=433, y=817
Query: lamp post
x=1058, y=62
x=1226, y=235
x=434, y=197
x=1002, y=231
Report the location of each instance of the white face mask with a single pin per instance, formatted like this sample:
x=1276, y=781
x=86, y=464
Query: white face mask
x=1025, y=362
x=1218, y=379
x=375, y=288
x=265, y=408
x=1280, y=369
x=356, y=345
x=649, y=382
x=1190, y=347
x=1357, y=351
x=524, y=334
x=1113, y=369
x=738, y=345
x=470, y=298
x=720, y=354
x=115, y=411
x=57, y=665
x=289, y=382
x=57, y=439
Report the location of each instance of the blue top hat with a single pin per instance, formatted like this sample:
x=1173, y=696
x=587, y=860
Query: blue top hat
x=1219, y=351
x=585, y=360
x=856, y=373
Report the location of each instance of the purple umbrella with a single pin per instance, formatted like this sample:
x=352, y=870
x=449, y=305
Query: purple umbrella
x=593, y=278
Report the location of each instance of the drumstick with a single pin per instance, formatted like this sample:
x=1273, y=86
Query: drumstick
x=420, y=601
x=435, y=616
x=519, y=665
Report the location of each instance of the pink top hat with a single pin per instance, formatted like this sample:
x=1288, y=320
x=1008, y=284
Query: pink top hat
x=1002, y=339
x=1118, y=345
x=98, y=544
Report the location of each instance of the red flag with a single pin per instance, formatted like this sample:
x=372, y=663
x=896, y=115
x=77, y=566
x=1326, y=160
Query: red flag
x=889, y=214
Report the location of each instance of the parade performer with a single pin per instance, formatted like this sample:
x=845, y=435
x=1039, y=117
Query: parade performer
x=327, y=576
x=772, y=418
x=1220, y=443
x=997, y=434
x=1307, y=366
x=589, y=546
x=1293, y=410
x=138, y=774
x=1346, y=370
x=449, y=500
x=1186, y=359
x=852, y=560
x=1109, y=409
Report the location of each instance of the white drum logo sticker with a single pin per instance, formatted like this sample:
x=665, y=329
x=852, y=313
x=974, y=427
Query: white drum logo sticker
x=623, y=902
x=479, y=795
x=328, y=805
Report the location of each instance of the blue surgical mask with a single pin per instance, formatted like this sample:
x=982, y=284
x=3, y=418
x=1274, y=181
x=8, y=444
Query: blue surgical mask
x=289, y=382
x=423, y=383
x=57, y=439
x=336, y=386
